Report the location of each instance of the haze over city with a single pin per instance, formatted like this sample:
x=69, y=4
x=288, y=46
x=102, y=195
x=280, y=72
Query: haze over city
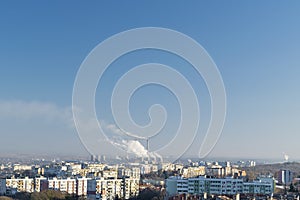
x=254, y=45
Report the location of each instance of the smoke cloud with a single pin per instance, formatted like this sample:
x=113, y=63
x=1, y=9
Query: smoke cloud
x=127, y=143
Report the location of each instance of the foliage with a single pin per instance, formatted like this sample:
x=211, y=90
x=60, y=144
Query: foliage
x=149, y=194
x=44, y=195
x=5, y=198
x=272, y=169
x=292, y=188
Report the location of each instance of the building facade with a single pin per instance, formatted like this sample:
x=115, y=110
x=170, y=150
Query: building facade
x=67, y=185
x=218, y=186
x=21, y=184
x=285, y=177
x=2, y=186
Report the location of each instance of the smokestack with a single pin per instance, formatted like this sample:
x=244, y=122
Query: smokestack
x=147, y=140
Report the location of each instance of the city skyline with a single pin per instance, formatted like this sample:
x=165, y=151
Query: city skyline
x=254, y=45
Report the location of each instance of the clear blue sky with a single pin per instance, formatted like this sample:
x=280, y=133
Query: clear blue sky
x=255, y=45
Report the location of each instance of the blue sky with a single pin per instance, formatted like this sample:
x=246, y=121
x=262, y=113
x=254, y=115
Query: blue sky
x=255, y=45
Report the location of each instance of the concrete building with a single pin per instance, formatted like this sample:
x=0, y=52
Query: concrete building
x=172, y=184
x=218, y=186
x=75, y=168
x=18, y=167
x=21, y=184
x=201, y=185
x=64, y=185
x=2, y=186
x=41, y=184
x=285, y=177
x=123, y=188
x=91, y=189
x=257, y=187
x=81, y=186
x=193, y=171
x=101, y=181
x=112, y=187
x=109, y=188
x=133, y=172
x=268, y=179
x=130, y=187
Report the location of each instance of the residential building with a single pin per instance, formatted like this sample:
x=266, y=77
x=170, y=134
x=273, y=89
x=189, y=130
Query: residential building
x=285, y=177
x=227, y=185
x=21, y=184
x=81, y=186
x=67, y=185
x=2, y=186
x=257, y=187
x=218, y=186
x=41, y=184
x=109, y=188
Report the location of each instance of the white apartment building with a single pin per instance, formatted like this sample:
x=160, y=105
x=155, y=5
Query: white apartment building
x=64, y=185
x=75, y=168
x=202, y=185
x=72, y=186
x=81, y=186
x=218, y=186
x=193, y=171
x=133, y=172
x=110, y=174
x=130, y=187
x=130, y=181
x=109, y=188
x=21, y=184
x=18, y=167
x=110, y=183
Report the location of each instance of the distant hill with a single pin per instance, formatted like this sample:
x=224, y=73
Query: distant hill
x=272, y=169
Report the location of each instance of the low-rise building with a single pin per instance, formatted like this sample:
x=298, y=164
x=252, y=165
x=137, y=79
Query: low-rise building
x=18, y=167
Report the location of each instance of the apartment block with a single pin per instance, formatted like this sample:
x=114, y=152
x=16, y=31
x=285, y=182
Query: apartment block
x=218, y=186
x=64, y=185
x=2, y=186
x=21, y=184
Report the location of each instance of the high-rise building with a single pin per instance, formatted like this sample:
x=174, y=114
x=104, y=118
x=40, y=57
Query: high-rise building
x=2, y=186
x=41, y=184
x=81, y=186
x=285, y=177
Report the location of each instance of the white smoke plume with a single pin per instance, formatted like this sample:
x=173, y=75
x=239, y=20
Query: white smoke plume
x=127, y=143
x=286, y=157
